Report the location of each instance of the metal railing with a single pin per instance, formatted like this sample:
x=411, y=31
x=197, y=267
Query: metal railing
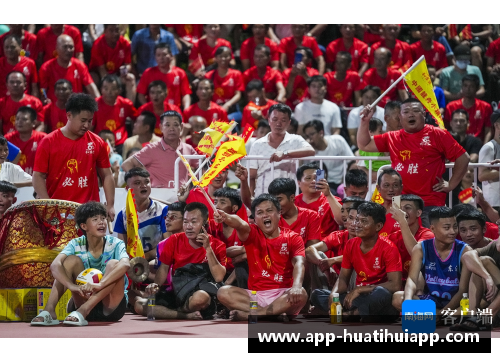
x=345, y=160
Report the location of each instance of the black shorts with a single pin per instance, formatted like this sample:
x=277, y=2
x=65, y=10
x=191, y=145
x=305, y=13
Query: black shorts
x=168, y=300
x=97, y=314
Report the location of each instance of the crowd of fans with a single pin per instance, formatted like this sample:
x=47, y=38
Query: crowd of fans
x=149, y=91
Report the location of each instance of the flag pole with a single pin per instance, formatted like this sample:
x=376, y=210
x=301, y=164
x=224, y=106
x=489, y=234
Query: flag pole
x=419, y=60
x=201, y=188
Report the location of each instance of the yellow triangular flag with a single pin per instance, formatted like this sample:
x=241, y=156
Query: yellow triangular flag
x=134, y=244
x=419, y=81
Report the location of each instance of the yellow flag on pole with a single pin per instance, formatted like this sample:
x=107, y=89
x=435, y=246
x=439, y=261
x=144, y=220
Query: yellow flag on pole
x=419, y=81
x=213, y=134
x=229, y=152
x=134, y=244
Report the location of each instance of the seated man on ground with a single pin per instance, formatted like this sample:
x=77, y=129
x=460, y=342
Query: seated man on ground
x=105, y=301
x=479, y=294
x=7, y=196
x=491, y=227
x=10, y=172
x=334, y=244
x=192, y=247
x=275, y=260
x=411, y=232
x=377, y=264
x=442, y=258
x=229, y=201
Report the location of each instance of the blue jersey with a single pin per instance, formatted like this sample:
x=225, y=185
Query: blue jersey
x=442, y=277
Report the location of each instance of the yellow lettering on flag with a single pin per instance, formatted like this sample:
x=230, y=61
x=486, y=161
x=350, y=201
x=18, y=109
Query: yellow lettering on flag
x=419, y=81
x=134, y=244
x=376, y=197
x=229, y=152
x=213, y=134
x=188, y=168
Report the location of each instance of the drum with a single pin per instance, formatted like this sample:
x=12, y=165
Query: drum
x=31, y=235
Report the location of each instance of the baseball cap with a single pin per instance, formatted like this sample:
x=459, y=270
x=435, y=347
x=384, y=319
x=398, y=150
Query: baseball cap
x=495, y=116
x=462, y=52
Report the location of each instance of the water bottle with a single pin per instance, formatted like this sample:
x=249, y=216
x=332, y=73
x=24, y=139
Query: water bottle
x=151, y=304
x=464, y=304
x=253, y=308
x=336, y=310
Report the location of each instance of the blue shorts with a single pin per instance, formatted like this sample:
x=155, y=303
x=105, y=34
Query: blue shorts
x=440, y=302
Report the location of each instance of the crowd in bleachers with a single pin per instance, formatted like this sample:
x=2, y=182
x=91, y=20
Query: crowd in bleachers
x=86, y=106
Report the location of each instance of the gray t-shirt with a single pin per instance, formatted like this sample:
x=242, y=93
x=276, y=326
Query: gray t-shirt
x=451, y=80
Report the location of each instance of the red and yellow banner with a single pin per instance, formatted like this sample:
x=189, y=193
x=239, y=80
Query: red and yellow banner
x=419, y=81
x=134, y=244
x=229, y=152
x=376, y=197
x=247, y=132
x=213, y=134
x=465, y=196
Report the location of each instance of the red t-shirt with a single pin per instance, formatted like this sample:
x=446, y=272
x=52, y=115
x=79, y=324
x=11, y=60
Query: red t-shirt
x=189, y=32
x=176, y=80
x=335, y=243
x=26, y=66
x=177, y=252
x=28, y=44
x=225, y=88
x=389, y=227
x=288, y=47
x=372, y=267
x=270, y=79
x=46, y=41
x=342, y=92
x=420, y=158
x=8, y=110
x=113, y=117
x=479, y=115
x=213, y=113
x=401, y=54
x=206, y=51
x=247, y=114
x=76, y=73
x=322, y=207
x=270, y=260
x=397, y=239
x=28, y=148
x=54, y=116
x=358, y=51
x=493, y=51
x=307, y=224
x=71, y=165
x=435, y=57
x=248, y=48
x=370, y=38
x=217, y=231
x=150, y=108
x=112, y=58
x=195, y=195
x=299, y=93
x=371, y=77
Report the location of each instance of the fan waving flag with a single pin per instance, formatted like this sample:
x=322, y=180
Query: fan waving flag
x=419, y=81
x=213, y=134
x=134, y=244
x=229, y=152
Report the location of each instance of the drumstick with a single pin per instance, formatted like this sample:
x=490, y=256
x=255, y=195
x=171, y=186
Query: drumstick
x=110, y=227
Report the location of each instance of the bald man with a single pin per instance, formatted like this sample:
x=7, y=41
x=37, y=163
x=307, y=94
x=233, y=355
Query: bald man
x=198, y=124
x=65, y=66
x=382, y=76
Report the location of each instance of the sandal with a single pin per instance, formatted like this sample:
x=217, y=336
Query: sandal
x=47, y=320
x=81, y=321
